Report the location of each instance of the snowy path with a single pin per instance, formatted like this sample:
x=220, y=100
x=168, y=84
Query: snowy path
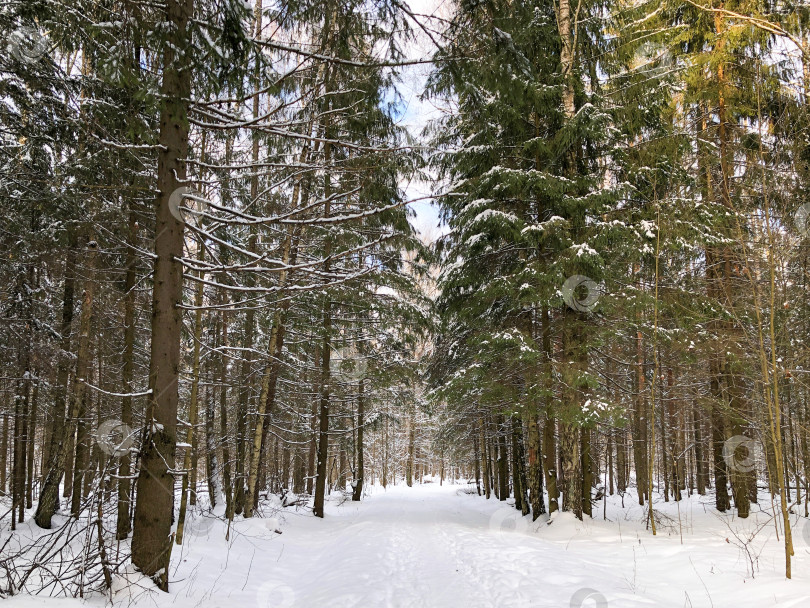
x=437, y=546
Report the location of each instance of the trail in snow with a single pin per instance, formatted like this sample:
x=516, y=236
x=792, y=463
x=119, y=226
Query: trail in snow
x=439, y=546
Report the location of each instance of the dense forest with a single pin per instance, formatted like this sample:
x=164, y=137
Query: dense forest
x=213, y=296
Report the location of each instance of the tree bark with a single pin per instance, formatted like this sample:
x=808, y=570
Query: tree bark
x=151, y=541
x=124, y=522
x=485, y=468
x=313, y=443
x=361, y=404
x=503, y=460
x=4, y=450
x=57, y=451
x=21, y=404
x=587, y=470
x=224, y=436
x=211, y=458
x=243, y=499
x=191, y=435
x=519, y=467
x=326, y=351
x=549, y=443
x=411, y=440
x=732, y=383
x=323, y=414
x=267, y=397
x=31, y=436
x=81, y=395
x=640, y=425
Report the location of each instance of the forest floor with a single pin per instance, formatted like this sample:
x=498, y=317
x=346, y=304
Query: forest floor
x=440, y=546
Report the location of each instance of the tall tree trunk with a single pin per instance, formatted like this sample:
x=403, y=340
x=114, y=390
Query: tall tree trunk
x=275, y=349
x=284, y=479
x=4, y=449
x=49, y=494
x=640, y=425
x=722, y=500
x=609, y=460
x=519, y=467
x=67, y=489
x=94, y=464
x=299, y=471
x=411, y=430
x=81, y=394
x=569, y=456
x=535, y=471
x=272, y=369
x=569, y=450
x=621, y=461
x=549, y=443
x=191, y=435
x=313, y=443
x=211, y=458
x=326, y=349
x=31, y=436
x=323, y=414
x=485, y=468
x=151, y=539
x=124, y=523
x=701, y=469
x=503, y=460
x=587, y=470
x=572, y=466
x=728, y=259
x=359, y=478
x=21, y=404
x=666, y=448
x=224, y=435
x=384, y=479
x=340, y=473
x=243, y=499
x=477, y=461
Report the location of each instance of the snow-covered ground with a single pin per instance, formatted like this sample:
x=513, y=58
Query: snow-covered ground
x=439, y=546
